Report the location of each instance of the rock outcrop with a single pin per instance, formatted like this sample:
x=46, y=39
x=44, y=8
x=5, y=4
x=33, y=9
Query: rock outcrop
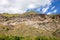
x=47, y=23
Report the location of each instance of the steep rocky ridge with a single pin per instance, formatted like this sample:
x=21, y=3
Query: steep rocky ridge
x=44, y=23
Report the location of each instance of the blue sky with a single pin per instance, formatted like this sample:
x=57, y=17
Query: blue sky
x=54, y=7
x=20, y=6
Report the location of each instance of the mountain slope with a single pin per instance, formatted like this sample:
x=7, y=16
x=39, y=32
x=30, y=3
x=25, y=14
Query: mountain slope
x=31, y=23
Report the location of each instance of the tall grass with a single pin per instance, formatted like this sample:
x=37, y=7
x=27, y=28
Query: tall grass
x=28, y=38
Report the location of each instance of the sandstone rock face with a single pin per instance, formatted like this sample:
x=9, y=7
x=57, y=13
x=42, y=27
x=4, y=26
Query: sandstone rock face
x=41, y=21
x=49, y=23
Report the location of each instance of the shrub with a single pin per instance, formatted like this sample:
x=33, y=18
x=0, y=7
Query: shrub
x=28, y=38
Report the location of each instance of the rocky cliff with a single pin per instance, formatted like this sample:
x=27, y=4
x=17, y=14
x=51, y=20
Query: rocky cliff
x=41, y=24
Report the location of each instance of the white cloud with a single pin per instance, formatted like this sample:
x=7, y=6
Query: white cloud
x=54, y=11
x=4, y=2
x=19, y=6
x=49, y=13
x=45, y=9
x=52, y=7
x=31, y=6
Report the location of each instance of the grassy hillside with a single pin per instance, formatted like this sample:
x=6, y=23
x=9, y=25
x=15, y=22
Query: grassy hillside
x=29, y=26
x=23, y=32
x=9, y=15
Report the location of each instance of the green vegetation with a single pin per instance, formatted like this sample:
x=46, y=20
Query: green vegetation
x=14, y=15
x=57, y=33
x=23, y=32
x=32, y=34
x=28, y=38
x=10, y=15
x=29, y=13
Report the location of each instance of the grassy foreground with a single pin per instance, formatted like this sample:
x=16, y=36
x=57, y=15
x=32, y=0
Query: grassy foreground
x=31, y=34
x=28, y=38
